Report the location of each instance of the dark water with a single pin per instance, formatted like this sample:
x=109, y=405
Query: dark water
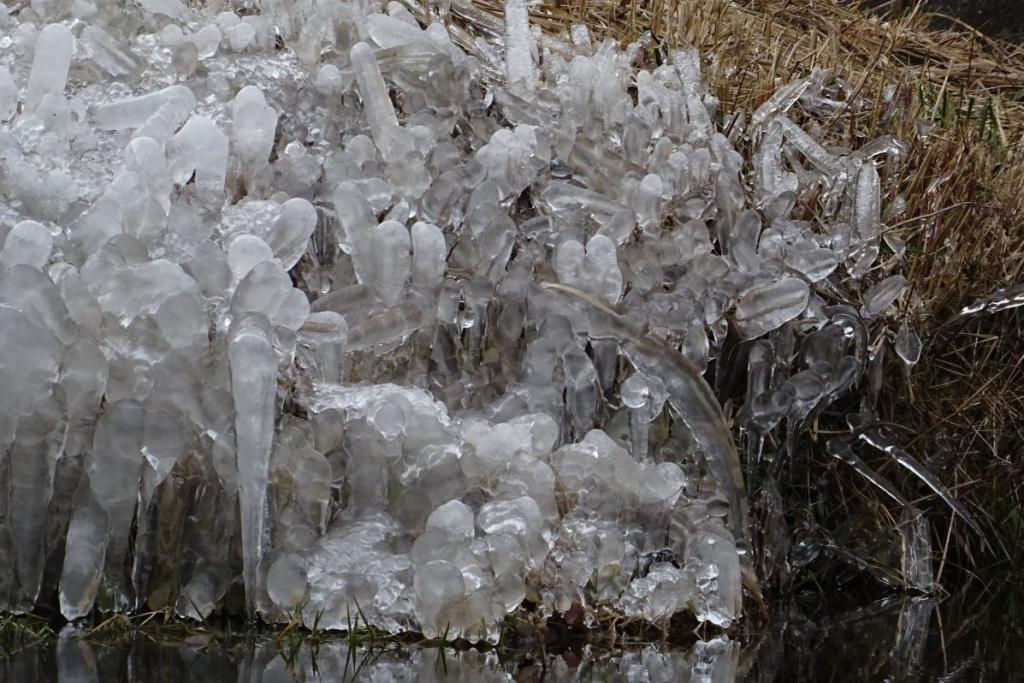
x=1000, y=18
x=976, y=636
x=996, y=17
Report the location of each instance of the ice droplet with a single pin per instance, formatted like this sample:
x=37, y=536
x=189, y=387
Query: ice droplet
x=908, y=344
x=769, y=306
x=881, y=296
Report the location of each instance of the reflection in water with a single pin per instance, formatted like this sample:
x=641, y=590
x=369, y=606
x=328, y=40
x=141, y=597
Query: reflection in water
x=896, y=640
x=712, y=662
x=971, y=636
x=143, y=659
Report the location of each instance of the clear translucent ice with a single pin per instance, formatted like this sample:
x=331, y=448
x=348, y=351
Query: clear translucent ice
x=393, y=322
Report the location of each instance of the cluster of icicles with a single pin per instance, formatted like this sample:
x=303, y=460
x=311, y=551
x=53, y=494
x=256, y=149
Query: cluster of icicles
x=342, y=309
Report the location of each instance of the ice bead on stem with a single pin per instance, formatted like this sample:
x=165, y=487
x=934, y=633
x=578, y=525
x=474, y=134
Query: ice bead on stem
x=286, y=582
x=50, y=65
x=253, y=126
x=200, y=147
x=325, y=334
x=168, y=117
x=392, y=261
x=380, y=113
x=880, y=297
x=253, y=365
x=712, y=559
x=429, y=253
x=268, y=290
x=8, y=94
x=207, y=41
x=817, y=155
x=289, y=236
x=813, y=264
x=784, y=98
x=867, y=211
x=908, y=345
x=133, y=112
x=145, y=158
x=245, y=252
x=388, y=32
x=772, y=176
x=520, y=71
x=356, y=224
x=769, y=306
x=644, y=396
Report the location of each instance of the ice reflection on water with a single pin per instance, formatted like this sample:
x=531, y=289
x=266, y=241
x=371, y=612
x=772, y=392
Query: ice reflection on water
x=965, y=638
x=144, y=660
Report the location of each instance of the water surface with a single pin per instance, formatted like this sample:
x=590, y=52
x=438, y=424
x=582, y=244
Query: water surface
x=970, y=637
x=1000, y=18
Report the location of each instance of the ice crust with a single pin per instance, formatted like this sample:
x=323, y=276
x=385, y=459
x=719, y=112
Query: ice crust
x=343, y=310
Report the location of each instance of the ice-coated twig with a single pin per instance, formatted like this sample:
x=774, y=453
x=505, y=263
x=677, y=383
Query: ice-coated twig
x=780, y=102
x=380, y=113
x=520, y=71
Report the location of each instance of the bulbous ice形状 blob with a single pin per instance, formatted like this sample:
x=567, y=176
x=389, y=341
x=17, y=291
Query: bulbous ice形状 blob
x=253, y=125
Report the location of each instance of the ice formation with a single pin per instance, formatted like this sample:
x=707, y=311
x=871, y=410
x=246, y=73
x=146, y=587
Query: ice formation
x=332, y=306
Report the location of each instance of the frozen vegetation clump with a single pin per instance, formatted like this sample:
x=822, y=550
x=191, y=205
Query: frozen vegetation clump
x=332, y=307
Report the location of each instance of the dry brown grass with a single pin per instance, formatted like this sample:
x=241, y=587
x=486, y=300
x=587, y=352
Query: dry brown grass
x=959, y=104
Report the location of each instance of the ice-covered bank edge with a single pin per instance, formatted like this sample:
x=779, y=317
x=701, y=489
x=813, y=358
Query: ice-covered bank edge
x=327, y=310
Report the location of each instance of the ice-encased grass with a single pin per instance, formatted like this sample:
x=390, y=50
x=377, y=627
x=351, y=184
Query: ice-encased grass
x=322, y=262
